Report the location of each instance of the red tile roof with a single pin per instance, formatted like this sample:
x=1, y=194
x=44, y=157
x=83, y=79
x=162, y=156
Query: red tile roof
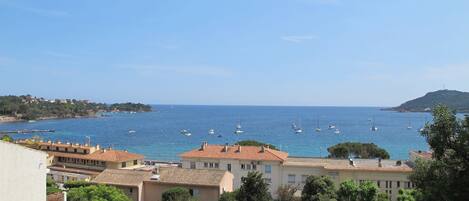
x=233, y=152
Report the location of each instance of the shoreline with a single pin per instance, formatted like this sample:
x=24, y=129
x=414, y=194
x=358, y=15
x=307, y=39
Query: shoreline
x=9, y=119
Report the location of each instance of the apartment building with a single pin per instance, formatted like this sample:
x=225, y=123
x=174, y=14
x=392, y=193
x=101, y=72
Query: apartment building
x=280, y=169
x=68, y=161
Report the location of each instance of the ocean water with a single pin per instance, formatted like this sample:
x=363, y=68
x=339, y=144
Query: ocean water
x=158, y=135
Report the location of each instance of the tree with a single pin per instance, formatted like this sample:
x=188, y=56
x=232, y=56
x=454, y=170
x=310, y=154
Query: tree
x=228, y=196
x=76, y=184
x=51, y=187
x=356, y=149
x=253, y=188
x=348, y=191
x=255, y=143
x=446, y=176
x=6, y=138
x=96, y=193
x=176, y=194
x=318, y=189
x=409, y=195
x=366, y=191
x=286, y=193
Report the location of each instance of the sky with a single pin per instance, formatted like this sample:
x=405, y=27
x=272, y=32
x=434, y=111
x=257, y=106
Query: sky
x=243, y=52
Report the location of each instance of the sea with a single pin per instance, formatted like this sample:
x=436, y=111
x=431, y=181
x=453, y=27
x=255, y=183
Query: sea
x=158, y=133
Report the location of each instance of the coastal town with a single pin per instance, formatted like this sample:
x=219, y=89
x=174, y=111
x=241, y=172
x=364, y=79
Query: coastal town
x=207, y=171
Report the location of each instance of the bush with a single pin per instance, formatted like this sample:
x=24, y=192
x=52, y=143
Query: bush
x=356, y=149
x=255, y=143
x=253, y=188
x=318, y=189
x=228, y=196
x=176, y=194
x=76, y=184
x=96, y=193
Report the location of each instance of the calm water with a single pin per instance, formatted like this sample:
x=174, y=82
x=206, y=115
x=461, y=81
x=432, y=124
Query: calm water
x=158, y=136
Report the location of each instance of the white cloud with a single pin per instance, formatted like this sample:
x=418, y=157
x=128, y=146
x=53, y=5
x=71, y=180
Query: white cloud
x=298, y=38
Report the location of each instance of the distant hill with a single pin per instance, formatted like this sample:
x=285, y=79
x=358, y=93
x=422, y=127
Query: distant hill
x=27, y=107
x=456, y=100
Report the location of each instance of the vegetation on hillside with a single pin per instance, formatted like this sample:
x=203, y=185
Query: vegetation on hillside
x=255, y=143
x=28, y=107
x=6, y=138
x=446, y=176
x=357, y=150
x=455, y=100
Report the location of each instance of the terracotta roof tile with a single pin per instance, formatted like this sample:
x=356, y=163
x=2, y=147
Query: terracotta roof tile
x=245, y=153
x=122, y=177
x=200, y=177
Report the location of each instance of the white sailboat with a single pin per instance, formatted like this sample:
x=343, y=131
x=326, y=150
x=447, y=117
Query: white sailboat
x=331, y=126
x=238, y=129
x=132, y=131
x=318, y=129
x=211, y=131
x=337, y=131
x=297, y=129
x=409, y=126
x=186, y=132
x=373, y=126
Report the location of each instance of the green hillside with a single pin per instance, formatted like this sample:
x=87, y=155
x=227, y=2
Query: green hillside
x=456, y=100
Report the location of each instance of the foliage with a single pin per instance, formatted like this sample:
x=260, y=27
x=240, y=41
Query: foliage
x=96, y=193
x=51, y=187
x=446, y=177
x=360, y=150
x=176, y=194
x=6, y=138
x=455, y=100
x=409, y=195
x=287, y=193
x=28, y=107
x=255, y=143
x=253, y=188
x=228, y=196
x=76, y=184
x=128, y=107
x=366, y=191
x=318, y=189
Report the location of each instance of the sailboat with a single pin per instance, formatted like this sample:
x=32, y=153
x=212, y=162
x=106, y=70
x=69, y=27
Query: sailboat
x=211, y=131
x=318, y=129
x=238, y=129
x=132, y=131
x=297, y=129
x=331, y=126
x=337, y=131
x=186, y=132
x=373, y=126
x=409, y=126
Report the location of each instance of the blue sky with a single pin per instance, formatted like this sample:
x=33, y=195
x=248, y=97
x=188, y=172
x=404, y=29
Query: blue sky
x=243, y=52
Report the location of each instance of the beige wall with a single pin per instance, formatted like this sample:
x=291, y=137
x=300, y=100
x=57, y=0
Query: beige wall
x=132, y=192
x=22, y=174
x=152, y=191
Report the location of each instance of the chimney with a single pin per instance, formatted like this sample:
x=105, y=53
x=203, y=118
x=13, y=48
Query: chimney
x=379, y=162
x=97, y=147
x=351, y=162
x=239, y=148
x=262, y=148
x=225, y=148
x=203, y=146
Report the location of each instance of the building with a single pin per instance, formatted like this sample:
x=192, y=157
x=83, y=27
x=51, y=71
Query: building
x=68, y=161
x=280, y=169
x=22, y=169
x=206, y=185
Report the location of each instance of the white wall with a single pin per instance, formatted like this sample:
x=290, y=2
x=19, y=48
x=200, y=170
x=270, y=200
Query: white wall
x=22, y=173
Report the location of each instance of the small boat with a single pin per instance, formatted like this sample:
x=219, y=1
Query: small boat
x=219, y=136
x=373, y=126
x=318, y=129
x=186, y=132
x=409, y=126
x=132, y=131
x=422, y=129
x=331, y=126
x=297, y=129
x=31, y=121
x=211, y=131
x=337, y=131
x=238, y=129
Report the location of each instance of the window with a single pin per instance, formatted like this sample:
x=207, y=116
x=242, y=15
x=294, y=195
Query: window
x=124, y=164
x=398, y=183
x=205, y=165
x=135, y=162
x=211, y=165
x=303, y=179
x=248, y=166
x=131, y=190
x=75, y=150
x=268, y=180
x=48, y=147
x=56, y=148
x=217, y=165
x=254, y=166
x=267, y=169
x=194, y=192
x=243, y=166
x=228, y=167
x=387, y=186
x=85, y=151
x=390, y=184
x=291, y=178
x=378, y=183
x=408, y=184
x=192, y=165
